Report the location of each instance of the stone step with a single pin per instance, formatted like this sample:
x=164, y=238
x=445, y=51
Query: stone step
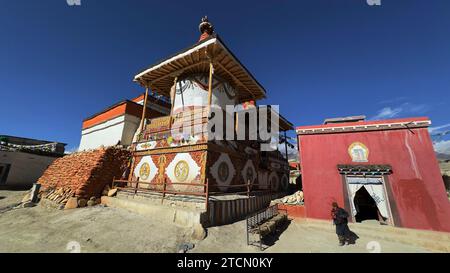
x=184, y=217
x=433, y=240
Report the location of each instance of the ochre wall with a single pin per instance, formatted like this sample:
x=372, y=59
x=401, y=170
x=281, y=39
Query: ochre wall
x=416, y=182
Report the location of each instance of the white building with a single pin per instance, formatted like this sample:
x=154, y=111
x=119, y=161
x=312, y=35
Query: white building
x=24, y=160
x=118, y=123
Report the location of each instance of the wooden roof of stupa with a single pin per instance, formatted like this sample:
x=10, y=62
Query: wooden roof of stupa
x=195, y=59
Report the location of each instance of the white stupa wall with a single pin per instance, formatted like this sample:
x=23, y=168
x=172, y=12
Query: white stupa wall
x=193, y=91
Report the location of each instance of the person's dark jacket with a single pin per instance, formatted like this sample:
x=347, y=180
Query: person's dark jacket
x=340, y=220
x=340, y=216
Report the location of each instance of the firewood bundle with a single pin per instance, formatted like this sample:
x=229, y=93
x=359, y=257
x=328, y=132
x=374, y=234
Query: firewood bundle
x=59, y=196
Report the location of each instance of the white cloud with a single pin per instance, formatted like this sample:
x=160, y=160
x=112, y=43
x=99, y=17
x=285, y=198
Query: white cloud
x=442, y=147
x=404, y=109
x=437, y=129
x=415, y=108
x=388, y=112
x=292, y=152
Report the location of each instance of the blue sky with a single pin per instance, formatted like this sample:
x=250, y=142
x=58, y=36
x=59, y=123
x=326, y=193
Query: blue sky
x=316, y=58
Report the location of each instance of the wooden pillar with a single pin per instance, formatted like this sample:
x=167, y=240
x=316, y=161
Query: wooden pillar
x=173, y=96
x=211, y=68
x=144, y=109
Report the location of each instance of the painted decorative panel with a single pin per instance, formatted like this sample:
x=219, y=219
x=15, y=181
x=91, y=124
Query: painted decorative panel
x=274, y=181
x=146, y=145
x=249, y=172
x=146, y=169
x=223, y=171
x=183, y=169
x=263, y=179
x=284, y=182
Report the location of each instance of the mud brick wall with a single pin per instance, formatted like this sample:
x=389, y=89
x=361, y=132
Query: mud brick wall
x=86, y=173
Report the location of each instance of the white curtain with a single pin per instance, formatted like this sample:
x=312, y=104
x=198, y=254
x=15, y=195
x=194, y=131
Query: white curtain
x=353, y=188
x=377, y=193
x=374, y=187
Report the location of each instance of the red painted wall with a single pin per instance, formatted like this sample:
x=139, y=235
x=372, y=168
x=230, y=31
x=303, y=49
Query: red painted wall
x=294, y=211
x=416, y=181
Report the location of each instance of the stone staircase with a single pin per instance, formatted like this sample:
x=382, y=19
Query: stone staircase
x=433, y=240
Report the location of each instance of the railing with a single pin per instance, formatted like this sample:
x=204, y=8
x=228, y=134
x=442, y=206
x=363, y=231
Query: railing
x=164, y=190
x=160, y=127
x=206, y=189
x=255, y=220
x=247, y=185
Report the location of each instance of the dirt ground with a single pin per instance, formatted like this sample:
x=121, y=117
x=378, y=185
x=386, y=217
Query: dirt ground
x=103, y=229
x=95, y=229
x=297, y=238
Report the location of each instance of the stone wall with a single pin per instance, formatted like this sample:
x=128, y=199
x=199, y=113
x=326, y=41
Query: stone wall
x=86, y=173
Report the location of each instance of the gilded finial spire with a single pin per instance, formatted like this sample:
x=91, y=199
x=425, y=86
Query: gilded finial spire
x=206, y=28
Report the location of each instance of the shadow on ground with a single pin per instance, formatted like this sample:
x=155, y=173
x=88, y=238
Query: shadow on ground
x=272, y=238
x=14, y=188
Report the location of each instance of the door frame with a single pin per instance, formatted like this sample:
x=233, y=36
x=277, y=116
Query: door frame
x=386, y=197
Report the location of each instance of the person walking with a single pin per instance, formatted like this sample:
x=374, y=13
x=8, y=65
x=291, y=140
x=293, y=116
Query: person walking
x=339, y=216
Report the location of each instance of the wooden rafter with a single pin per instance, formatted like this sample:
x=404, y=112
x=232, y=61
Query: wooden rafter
x=236, y=79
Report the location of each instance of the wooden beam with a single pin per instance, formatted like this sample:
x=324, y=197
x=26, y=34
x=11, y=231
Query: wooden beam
x=236, y=80
x=179, y=71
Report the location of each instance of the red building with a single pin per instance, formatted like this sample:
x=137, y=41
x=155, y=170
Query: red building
x=384, y=170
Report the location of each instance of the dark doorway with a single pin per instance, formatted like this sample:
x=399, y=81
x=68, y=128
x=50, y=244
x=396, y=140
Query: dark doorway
x=366, y=207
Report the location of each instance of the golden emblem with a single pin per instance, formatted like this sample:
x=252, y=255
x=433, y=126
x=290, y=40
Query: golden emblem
x=358, y=152
x=181, y=171
x=144, y=171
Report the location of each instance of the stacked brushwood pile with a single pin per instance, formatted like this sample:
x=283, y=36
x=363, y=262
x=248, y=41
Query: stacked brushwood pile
x=83, y=175
x=59, y=196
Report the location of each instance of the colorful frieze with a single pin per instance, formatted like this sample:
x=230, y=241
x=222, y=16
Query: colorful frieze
x=146, y=145
x=168, y=141
x=221, y=168
x=171, y=167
